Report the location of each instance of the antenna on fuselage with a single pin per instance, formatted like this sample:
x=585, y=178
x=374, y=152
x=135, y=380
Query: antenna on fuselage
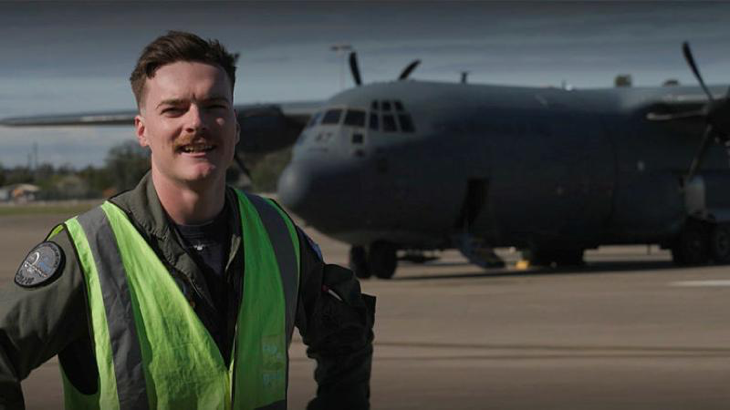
x=464, y=76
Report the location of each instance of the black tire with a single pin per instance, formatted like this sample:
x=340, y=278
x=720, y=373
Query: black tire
x=382, y=259
x=559, y=257
x=692, y=247
x=720, y=244
x=359, y=262
x=569, y=257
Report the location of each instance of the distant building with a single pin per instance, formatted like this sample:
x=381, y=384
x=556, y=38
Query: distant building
x=71, y=186
x=19, y=193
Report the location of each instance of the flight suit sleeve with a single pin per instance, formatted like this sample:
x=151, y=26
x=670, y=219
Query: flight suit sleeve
x=336, y=323
x=36, y=323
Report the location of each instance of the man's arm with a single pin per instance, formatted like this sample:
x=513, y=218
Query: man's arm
x=36, y=323
x=336, y=323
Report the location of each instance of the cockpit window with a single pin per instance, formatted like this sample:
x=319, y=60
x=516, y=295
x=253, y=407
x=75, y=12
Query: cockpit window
x=332, y=117
x=386, y=105
x=389, y=123
x=315, y=118
x=398, y=106
x=374, y=121
x=406, y=123
x=355, y=118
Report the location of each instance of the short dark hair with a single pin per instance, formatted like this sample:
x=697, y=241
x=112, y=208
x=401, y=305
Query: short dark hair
x=180, y=46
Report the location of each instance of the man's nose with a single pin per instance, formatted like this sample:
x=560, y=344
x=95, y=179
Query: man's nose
x=195, y=119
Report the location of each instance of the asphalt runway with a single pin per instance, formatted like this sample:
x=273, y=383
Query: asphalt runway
x=627, y=331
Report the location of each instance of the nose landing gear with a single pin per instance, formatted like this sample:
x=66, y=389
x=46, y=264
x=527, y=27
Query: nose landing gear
x=359, y=262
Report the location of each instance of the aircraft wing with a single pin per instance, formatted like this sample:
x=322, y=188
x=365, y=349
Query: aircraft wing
x=100, y=118
x=264, y=127
x=681, y=106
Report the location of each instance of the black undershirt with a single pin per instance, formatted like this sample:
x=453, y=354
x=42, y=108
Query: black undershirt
x=209, y=245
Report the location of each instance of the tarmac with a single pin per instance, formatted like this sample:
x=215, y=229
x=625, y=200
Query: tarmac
x=627, y=331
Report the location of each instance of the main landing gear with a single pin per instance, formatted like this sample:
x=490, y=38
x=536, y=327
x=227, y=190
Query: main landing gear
x=380, y=259
x=701, y=243
x=554, y=257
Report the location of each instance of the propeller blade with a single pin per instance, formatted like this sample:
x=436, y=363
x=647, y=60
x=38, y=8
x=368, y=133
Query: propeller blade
x=652, y=116
x=408, y=70
x=691, y=61
x=697, y=160
x=355, y=69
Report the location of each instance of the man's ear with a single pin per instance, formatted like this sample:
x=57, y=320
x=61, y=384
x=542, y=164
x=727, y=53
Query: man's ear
x=141, y=131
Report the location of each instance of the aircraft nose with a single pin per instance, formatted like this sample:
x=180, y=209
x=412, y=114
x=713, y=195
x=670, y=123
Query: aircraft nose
x=327, y=196
x=293, y=187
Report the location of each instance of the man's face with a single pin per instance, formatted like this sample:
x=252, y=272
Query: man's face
x=187, y=120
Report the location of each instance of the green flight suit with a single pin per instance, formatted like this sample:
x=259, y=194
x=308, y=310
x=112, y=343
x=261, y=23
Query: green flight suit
x=40, y=322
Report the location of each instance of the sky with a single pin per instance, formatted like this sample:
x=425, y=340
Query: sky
x=76, y=57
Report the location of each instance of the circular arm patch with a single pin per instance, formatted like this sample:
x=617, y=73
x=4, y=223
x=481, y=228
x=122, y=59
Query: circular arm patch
x=42, y=265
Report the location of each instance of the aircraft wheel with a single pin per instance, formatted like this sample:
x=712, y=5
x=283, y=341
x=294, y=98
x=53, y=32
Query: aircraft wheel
x=569, y=257
x=559, y=257
x=383, y=259
x=537, y=257
x=359, y=262
x=720, y=244
x=692, y=247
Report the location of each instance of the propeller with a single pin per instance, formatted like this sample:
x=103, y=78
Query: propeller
x=691, y=61
x=354, y=68
x=710, y=112
x=408, y=70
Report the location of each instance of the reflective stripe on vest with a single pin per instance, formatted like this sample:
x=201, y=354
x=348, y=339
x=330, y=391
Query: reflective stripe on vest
x=151, y=349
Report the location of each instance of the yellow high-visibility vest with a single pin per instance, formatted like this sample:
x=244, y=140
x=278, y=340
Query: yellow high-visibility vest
x=152, y=351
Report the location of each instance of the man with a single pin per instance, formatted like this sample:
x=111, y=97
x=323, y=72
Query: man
x=183, y=293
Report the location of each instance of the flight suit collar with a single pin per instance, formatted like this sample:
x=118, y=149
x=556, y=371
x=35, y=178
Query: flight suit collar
x=145, y=210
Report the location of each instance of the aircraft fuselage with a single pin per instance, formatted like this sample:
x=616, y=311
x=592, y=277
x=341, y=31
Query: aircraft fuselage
x=515, y=166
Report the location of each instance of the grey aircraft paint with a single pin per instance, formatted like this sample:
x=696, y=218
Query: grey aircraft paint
x=553, y=170
x=416, y=165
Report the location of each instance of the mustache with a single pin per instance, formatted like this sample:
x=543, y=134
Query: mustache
x=192, y=139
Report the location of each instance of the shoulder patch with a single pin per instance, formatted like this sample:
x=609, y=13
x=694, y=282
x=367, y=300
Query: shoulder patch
x=42, y=265
x=314, y=246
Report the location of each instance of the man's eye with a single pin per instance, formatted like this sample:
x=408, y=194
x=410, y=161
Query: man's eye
x=171, y=110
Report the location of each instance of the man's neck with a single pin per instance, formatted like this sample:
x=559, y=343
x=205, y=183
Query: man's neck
x=190, y=205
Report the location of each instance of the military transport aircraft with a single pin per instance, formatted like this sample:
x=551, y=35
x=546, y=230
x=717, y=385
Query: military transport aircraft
x=414, y=166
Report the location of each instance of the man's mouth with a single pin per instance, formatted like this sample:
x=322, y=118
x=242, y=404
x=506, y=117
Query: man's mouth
x=196, y=148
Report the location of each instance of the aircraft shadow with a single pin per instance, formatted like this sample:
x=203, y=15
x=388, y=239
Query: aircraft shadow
x=598, y=267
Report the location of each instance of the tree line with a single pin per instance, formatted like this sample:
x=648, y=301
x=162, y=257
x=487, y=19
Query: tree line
x=124, y=165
